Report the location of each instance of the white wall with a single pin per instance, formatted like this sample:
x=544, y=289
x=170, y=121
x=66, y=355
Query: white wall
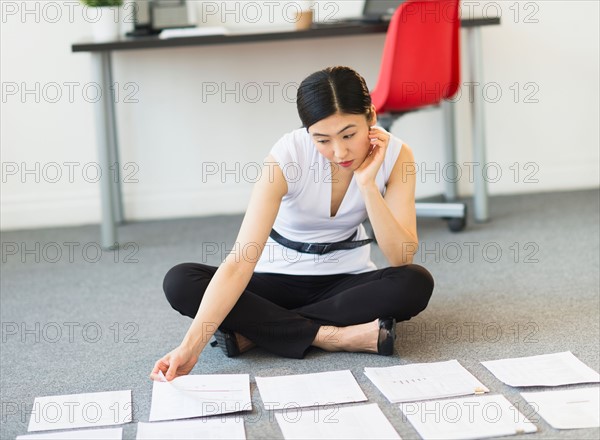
x=175, y=128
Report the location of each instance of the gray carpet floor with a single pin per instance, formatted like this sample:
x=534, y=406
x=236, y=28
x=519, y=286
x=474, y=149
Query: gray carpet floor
x=525, y=283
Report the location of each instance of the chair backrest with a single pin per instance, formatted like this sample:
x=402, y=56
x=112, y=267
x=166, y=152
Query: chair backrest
x=420, y=65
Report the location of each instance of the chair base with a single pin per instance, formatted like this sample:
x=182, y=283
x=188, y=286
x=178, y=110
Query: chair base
x=442, y=210
x=454, y=213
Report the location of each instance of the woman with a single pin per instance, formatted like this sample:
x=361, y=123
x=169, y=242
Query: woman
x=300, y=273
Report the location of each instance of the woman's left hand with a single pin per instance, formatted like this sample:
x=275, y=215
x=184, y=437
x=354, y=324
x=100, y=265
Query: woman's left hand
x=366, y=172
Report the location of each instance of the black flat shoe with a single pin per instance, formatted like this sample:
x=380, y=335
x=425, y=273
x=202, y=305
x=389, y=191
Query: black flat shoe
x=387, y=336
x=227, y=341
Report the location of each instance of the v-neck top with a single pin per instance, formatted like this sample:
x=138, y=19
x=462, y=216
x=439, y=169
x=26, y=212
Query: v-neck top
x=305, y=211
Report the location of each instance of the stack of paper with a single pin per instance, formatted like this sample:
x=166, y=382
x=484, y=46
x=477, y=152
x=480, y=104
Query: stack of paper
x=199, y=396
x=193, y=32
x=407, y=383
x=300, y=390
x=542, y=370
x=229, y=428
x=567, y=409
x=466, y=418
x=80, y=410
x=349, y=422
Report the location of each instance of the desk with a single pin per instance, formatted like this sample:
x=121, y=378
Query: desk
x=106, y=126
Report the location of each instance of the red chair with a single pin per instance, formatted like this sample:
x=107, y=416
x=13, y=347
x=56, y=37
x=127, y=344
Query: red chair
x=420, y=67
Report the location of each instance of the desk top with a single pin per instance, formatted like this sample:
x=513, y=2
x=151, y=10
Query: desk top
x=250, y=36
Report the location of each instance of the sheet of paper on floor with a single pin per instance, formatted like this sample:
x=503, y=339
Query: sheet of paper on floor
x=336, y=422
x=466, y=418
x=542, y=370
x=567, y=409
x=77, y=434
x=301, y=390
x=434, y=380
x=217, y=428
x=85, y=410
x=200, y=395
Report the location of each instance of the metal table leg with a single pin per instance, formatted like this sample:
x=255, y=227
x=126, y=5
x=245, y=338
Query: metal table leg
x=115, y=171
x=480, y=197
x=101, y=75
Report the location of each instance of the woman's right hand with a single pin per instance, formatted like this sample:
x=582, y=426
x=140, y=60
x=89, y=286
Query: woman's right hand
x=178, y=362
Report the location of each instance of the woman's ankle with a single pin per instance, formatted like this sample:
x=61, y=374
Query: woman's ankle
x=362, y=337
x=353, y=338
x=329, y=338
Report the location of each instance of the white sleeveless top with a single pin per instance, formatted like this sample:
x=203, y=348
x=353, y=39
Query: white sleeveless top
x=304, y=214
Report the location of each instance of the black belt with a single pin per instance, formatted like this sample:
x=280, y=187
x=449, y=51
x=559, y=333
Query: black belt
x=319, y=248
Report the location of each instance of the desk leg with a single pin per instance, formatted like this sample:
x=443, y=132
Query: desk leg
x=113, y=149
x=450, y=147
x=100, y=75
x=481, y=193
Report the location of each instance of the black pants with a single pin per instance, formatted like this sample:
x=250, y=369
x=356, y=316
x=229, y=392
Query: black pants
x=282, y=313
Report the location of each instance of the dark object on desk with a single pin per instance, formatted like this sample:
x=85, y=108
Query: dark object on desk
x=381, y=10
x=152, y=16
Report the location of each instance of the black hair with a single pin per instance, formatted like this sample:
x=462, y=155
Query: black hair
x=332, y=90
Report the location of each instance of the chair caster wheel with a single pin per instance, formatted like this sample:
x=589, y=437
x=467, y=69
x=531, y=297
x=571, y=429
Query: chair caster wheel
x=457, y=224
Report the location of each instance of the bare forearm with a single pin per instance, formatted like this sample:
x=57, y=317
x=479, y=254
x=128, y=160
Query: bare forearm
x=221, y=295
x=395, y=241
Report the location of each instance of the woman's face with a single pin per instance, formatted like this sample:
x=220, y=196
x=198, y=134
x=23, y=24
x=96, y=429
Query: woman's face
x=343, y=139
